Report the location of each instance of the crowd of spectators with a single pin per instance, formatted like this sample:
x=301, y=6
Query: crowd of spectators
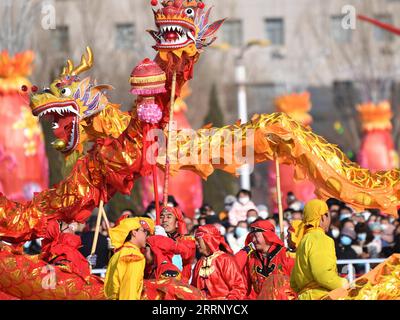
x=368, y=234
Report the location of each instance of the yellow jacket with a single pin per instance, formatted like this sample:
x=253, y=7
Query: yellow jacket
x=124, y=277
x=315, y=271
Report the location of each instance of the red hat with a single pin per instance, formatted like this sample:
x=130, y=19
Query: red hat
x=147, y=79
x=182, y=230
x=268, y=231
x=122, y=217
x=212, y=237
x=163, y=249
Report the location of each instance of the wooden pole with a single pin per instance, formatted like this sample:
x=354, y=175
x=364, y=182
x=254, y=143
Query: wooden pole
x=171, y=119
x=96, y=232
x=156, y=200
x=279, y=194
x=104, y=214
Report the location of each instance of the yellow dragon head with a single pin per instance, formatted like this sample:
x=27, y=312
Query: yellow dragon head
x=78, y=109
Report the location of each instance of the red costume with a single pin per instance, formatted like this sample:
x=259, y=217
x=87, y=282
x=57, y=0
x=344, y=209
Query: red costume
x=257, y=268
x=163, y=250
x=186, y=244
x=218, y=276
x=62, y=249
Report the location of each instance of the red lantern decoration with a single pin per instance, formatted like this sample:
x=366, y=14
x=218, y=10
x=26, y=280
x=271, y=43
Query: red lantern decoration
x=23, y=162
x=377, y=150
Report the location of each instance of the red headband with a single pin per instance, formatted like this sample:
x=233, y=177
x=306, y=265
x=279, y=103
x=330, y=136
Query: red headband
x=212, y=237
x=268, y=231
x=182, y=230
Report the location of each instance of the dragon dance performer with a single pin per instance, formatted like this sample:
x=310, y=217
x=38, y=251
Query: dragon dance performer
x=315, y=271
x=292, y=240
x=171, y=220
x=63, y=249
x=124, y=276
x=263, y=257
x=217, y=274
x=159, y=253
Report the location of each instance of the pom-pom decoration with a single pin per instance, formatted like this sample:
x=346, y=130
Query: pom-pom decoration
x=149, y=113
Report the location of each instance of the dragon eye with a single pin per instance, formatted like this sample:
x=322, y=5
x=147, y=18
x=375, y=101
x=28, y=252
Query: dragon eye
x=189, y=12
x=66, y=92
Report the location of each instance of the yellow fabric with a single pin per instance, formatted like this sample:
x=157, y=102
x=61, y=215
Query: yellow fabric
x=297, y=234
x=191, y=50
x=315, y=272
x=124, y=276
x=313, y=211
x=119, y=233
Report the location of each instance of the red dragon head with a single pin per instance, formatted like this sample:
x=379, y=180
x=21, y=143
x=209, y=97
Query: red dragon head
x=183, y=26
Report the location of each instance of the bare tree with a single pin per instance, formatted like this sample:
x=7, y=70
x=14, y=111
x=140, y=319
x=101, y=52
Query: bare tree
x=369, y=65
x=16, y=24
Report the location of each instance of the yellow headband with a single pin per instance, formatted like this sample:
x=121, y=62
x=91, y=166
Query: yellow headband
x=313, y=211
x=119, y=233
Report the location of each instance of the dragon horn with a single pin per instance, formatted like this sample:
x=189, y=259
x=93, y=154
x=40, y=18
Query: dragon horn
x=86, y=62
x=68, y=68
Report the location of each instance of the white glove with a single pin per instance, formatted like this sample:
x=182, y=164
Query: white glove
x=109, y=244
x=160, y=231
x=92, y=259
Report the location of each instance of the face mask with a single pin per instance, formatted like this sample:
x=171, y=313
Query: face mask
x=240, y=232
x=263, y=214
x=251, y=219
x=244, y=200
x=384, y=227
x=152, y=214
x=177, y=261
x=362, y=236
x=345, y=216
x=335, y=233
x=346, y=241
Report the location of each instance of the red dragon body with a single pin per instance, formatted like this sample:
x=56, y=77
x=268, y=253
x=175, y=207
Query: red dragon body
x=81, y=112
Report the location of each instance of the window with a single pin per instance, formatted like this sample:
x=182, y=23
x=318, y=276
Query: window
x=339, y=34
x=60, y=39
x=125, y=36
x=381, y=34
x=232, y=33
x=275, y=31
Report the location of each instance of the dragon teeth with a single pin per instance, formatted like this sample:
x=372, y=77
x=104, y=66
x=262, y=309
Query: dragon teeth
x=191, y=36
x=60, y=110
x=174, y=28
x=71, y=140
